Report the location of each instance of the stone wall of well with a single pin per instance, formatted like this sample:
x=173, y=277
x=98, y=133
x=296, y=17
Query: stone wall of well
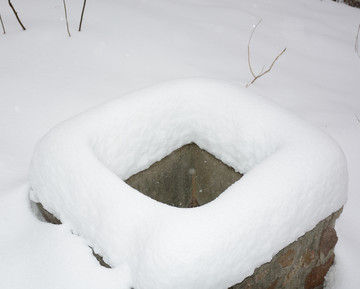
x=301, y=265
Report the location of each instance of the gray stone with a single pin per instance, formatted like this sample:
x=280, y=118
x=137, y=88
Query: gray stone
x=186, y=172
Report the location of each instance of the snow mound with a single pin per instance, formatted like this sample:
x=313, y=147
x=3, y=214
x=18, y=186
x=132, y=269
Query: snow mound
x=295, y=176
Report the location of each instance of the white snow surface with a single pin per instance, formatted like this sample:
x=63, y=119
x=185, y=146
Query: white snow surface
x=47, y=77
x=295, y=176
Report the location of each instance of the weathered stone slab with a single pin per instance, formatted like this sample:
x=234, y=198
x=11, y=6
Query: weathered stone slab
x=173, y=179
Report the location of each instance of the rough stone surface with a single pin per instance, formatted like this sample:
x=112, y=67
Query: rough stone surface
x=301, y=265
x=315, y=279
x=287, y=258
x=48, y=217
x=353, y=3
x=174, y=179
x=328, y=240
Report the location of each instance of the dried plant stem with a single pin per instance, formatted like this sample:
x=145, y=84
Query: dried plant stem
x=66, y=19
x=357, y=42
x=251, y=35
x=2, y=24
x=16, y=15
x=193, y=203
x=262, y=72
x=82, y=15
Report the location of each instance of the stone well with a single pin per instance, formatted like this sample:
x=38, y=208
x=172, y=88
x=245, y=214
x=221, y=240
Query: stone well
x=190, y=177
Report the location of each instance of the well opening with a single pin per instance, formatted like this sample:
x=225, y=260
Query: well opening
x=188, y=177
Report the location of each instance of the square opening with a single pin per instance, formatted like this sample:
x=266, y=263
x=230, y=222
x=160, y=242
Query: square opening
x=188, y=177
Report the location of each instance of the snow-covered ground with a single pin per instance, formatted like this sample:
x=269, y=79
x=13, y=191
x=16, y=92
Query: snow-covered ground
x=46, y=77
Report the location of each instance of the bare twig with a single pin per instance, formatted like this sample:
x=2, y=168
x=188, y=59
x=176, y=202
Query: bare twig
x=16, y=15
x=262, y=72
x=357, y=42
x=82, y=15
x=251, y=35
x=357, y=117
x=2, y=24
x=66, y=18
x=193, y=203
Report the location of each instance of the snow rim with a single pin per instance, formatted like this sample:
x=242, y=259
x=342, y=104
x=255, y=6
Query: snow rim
x=294, y=176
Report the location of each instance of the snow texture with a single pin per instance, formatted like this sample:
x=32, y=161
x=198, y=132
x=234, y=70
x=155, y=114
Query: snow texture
x=295, y=176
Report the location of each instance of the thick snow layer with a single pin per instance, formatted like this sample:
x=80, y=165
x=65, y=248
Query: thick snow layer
x=47, y=77
x=295, y=176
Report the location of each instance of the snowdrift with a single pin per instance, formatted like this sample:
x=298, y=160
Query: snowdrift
x=295, y=176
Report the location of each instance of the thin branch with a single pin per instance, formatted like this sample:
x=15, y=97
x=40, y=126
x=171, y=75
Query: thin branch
x=272, y=64
x=251, y=35
x=16, y=15
x=66, y=18
x=82, y=15
x=262, y=72
x=357, y=117
x=2, y=24
x=357, y=42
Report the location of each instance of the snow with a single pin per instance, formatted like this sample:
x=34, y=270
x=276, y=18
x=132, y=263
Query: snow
x=47, y=77
x=77, y=169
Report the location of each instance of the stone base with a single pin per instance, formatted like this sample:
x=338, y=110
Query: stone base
x=353, y=3
x=301, y=265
